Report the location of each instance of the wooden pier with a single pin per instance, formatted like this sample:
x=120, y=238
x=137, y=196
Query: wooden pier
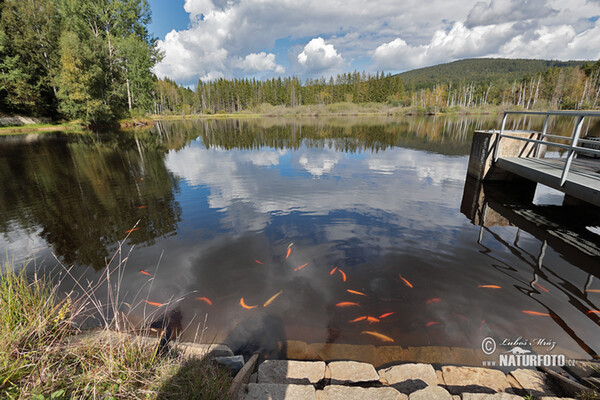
x=519, y=156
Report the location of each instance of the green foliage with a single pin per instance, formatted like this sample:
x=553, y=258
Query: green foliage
x=480, y=70
x=29, y=33
x=41, y=359
x=234, y=95
x=88, y=59
x=81, y=81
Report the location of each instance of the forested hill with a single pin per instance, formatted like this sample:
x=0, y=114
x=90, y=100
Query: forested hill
x=479, y=70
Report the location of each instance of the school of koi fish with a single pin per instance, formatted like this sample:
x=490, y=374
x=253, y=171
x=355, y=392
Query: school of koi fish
x=356, y=305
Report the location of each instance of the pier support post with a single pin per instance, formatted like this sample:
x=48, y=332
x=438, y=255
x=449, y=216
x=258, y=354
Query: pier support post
x=482, y=150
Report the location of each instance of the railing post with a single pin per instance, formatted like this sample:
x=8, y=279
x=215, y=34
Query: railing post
x=497, y=149
x=538, y=149
x=571, y=153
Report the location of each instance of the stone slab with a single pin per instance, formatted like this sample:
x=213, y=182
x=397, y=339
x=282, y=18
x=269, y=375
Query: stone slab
x=389, y=354
x=474, y=380
x=286, y=371
x=408, y=378
x=583, y=370
x=296, y=350
x=201, y=350
x=335, y=392
x=233, y=363
x=464, y=356
x=431, y=393
x=352, y=372
x=440, y=378
x=334, y=352
x=556, y=398
x=531, y=381
x=253, y=378
x=431, y=354
x=488, y=396
x=274, y=391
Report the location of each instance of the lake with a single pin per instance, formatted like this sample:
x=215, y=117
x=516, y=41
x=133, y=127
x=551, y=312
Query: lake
x=294, y=236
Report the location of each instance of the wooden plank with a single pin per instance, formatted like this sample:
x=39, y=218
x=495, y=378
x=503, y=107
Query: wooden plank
x=242, y=377
x=583, y=180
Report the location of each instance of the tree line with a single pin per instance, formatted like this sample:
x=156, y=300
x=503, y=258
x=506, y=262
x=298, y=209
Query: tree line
x=81, y=59
x=562, y=88
x=93, y=60
x=231, y=95
x=559, y=87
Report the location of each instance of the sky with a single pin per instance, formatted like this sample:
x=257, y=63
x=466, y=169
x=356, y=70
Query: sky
x=209, y=39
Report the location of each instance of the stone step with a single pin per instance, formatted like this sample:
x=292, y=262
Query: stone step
x=336, y=392
x=278, y=391
x=408, y=378
x=291, y=372
x=351, y=372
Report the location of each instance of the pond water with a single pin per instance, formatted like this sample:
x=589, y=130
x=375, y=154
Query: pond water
x=315, y=224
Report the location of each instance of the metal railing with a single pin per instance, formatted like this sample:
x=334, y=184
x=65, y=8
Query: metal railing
x=572, y=149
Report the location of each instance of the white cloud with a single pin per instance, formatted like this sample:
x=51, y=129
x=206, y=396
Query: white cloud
x=319, y=163
x=319, y=56
x=198, y=7
x=261, y=62
x=500, y=11
x=537, y=44
x=460, y=42
x=267, y=37
x=561, y=40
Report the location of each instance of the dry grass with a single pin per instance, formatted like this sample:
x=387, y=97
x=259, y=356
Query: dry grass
x=40, y=360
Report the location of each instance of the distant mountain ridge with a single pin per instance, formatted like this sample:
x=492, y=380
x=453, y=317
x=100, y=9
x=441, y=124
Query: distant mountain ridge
x=480, y=70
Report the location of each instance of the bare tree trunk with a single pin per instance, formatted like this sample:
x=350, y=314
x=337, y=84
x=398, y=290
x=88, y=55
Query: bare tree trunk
x=128, y=89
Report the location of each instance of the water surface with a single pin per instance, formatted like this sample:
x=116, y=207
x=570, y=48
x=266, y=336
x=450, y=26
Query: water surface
x=217, y=204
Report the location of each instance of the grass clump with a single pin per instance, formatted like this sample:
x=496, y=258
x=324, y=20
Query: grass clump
x=43, y=357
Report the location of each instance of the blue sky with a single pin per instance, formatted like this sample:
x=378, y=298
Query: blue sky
x=208, y=39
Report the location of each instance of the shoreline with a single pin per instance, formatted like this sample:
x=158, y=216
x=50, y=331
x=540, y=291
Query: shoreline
x=317, y=111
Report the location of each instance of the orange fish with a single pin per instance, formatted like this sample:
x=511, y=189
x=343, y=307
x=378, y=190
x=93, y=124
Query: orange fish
x=434, y=300
x=140, y=207
x=406, y=282
x=461, y=316
x=347, y=304
x=153, y=303
x=145, y=273
x=535, y=313
x=490, y=286
x=343, y=275
x=358, y=319
x=355, y=292
x=131, y=230
x=387, y=314
x=593, y=290
x=244, y=304
x=431, y=323
x=300, y=267
x=272, y=298
x=541, y=287
x=372, y=319
x=288, y=253
x=332, y=271
x=594, y=312
x=258, y=262
x=378, y=336
x=205, y=299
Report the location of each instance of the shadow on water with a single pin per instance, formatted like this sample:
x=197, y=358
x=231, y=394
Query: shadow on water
x=563, y=228
x=263, y=333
